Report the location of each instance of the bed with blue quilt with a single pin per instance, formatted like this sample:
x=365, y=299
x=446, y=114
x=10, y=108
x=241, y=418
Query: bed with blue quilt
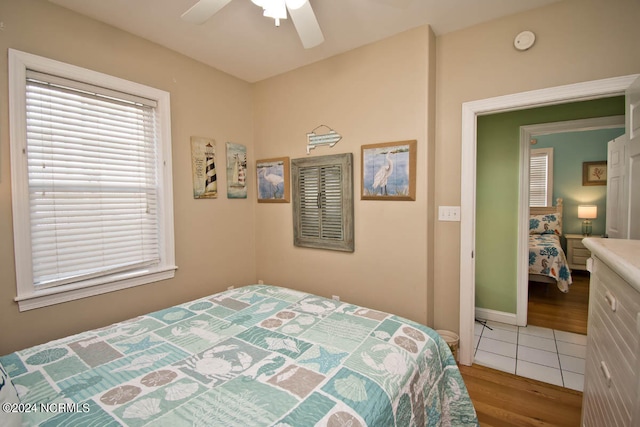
x=258, y=355
x=547, y=260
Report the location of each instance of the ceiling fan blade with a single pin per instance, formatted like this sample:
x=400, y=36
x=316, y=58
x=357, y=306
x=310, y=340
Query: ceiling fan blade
x=306, y=25
x=203, y=10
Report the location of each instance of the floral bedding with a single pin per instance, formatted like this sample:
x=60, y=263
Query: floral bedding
x=547, y=258
x=253, y=356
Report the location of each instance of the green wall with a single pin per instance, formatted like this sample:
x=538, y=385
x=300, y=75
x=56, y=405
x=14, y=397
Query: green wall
x=570, y=150
x=498, y=153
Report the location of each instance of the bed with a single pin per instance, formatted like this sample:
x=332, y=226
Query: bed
x=547, y=260
x=253, y=356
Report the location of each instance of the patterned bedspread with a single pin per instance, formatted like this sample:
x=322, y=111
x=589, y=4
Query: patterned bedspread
x=254, y=356
x=546, y=257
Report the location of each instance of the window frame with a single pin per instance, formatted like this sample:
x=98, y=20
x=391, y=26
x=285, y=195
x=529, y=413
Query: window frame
x=28, y=297
x=548, y=153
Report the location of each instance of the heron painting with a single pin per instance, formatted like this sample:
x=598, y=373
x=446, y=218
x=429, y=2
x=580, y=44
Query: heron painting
x=273, y=180
x=388, y=171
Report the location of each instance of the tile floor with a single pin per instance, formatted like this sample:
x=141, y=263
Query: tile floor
x=543, y=354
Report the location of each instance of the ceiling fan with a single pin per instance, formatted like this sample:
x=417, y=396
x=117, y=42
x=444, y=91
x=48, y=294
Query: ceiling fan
x=300, y=11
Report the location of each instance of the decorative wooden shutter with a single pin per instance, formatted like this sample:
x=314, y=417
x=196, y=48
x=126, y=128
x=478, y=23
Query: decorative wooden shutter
x=323, y=202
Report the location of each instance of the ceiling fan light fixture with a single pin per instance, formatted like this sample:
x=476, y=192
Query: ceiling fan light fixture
x=295, y=4
x=275, y=9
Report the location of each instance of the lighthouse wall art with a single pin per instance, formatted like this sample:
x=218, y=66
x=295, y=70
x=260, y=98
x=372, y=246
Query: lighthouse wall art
x=203, y=168
x=236, y=171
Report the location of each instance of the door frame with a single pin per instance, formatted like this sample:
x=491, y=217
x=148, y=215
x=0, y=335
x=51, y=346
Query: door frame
x=526, y=134
x=470, y=111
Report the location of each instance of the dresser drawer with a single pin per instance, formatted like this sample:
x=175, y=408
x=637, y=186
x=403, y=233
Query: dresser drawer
x=581, y=252
x=577, y=244
x=621, y=305
x=612, y=350
x=608, y=404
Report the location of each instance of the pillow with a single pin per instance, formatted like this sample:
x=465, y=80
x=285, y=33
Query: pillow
x=8, y=394
x=545, y=224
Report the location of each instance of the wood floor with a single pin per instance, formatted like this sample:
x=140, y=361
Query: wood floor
x=550, y=308
x=506, y=400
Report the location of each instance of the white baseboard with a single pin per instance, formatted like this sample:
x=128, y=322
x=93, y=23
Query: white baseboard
x=496, y=316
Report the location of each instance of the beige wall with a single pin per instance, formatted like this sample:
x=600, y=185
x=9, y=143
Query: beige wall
x=404, y=261
x=377, y=93
x=215, y=239
x=576, y=41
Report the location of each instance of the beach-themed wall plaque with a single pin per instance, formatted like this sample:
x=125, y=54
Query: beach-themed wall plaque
x=389, y=171
x=236, y=171
x=329, y=138
x=203, y=168
x=273, y=180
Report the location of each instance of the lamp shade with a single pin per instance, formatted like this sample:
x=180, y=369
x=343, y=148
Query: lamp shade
x=587, y=211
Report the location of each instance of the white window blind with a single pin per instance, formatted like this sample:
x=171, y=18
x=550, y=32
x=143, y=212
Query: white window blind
x=541, y=177
x=92, y=179
x=323, y=202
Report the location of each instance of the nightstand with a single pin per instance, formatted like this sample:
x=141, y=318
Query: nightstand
x=577, y=254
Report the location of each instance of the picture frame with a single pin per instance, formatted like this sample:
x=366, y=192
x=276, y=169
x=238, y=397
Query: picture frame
x=203, y=168
x=389, y=171
x=272, y=176
x=594, y=173
x=236, y=171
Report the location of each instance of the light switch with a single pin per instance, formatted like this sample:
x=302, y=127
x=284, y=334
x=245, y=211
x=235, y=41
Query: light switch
x=449, y=213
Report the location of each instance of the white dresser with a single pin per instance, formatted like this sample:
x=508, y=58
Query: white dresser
x=611, y=394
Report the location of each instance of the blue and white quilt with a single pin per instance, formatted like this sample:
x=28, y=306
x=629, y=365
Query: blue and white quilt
x=254, y=356
x=547, y=258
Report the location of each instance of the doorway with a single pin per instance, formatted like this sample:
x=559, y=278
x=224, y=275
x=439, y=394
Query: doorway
x=574, y=132
x=470, y=112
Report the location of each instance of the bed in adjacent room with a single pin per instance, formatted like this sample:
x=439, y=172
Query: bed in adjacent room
x=547, y=260
x=253, y=356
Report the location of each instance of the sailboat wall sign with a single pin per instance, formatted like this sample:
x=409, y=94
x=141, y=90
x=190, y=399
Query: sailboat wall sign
x=236, y=171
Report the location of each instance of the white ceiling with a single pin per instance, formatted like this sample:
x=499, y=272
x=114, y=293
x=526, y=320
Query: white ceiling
x=240, y=41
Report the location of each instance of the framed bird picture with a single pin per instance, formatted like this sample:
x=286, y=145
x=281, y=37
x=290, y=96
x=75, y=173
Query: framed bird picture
x=389, y=171
x=273, y=180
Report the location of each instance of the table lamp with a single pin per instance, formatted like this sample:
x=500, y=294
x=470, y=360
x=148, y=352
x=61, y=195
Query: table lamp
x=587, y=213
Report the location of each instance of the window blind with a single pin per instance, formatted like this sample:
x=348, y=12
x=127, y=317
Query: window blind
x=92, y=179
x=540, y=177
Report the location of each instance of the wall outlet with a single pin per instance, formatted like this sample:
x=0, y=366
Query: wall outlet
x=230, y=287
x=449, y=213
x=335, y=297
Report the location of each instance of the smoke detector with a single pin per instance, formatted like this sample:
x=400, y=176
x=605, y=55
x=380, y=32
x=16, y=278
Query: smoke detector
x=524, y=40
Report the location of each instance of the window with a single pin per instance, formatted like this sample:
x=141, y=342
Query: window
x=323, y=202
x=541, y=177
x=91, y=174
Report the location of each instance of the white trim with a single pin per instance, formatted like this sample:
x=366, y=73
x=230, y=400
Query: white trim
x=27, y=296
x=495, y=316
x=60, y=294
x=470, y=111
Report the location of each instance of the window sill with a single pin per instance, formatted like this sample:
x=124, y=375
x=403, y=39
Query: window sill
x=60, y=294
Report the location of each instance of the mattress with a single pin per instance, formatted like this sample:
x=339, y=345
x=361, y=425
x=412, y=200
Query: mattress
x=258, y=355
